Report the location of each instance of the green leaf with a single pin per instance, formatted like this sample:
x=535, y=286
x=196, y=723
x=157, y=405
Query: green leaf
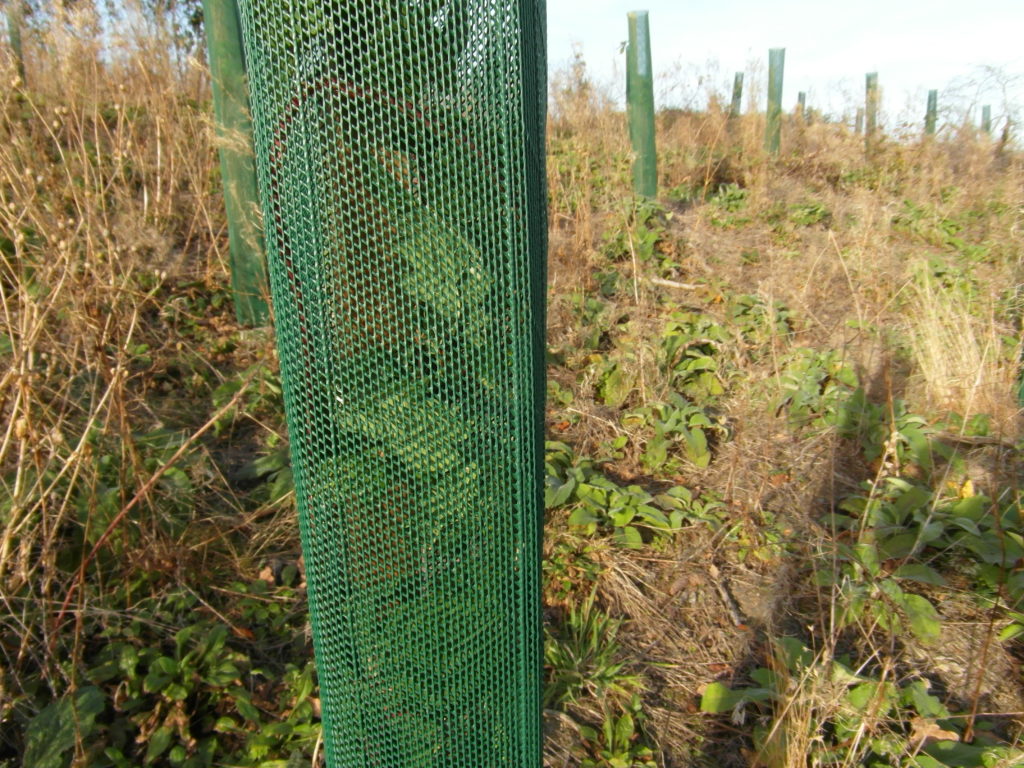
x=176, y=692
x=916, y=695
x=653, y=516
x=867, y=556
x=953, y=753
x=225, y=725
x=624, y=730
x=697, y=447
x=665, y=501
x=878, y=696
x=629, y=537
x=795, y=654
x=922, y=573
x=897, y=547
x=966, y=524
x=264, y=465
x=244, y=706
x=765, y=678
x=623, y=517
x=557, y=495
x=1012, y=631
x=719, y=698
x=925, y=621
x=57, y=727
x=159, y=741
x=972, y=508
x=583, y=516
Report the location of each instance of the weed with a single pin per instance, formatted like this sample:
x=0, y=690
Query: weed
x=619, y=742
x=584, y=659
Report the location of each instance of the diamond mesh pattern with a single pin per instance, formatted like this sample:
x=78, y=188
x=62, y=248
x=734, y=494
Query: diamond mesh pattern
x=400, y=156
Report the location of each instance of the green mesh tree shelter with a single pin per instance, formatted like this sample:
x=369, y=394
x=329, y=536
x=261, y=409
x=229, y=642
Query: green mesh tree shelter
x=737, y=95
x=931, y=115
x=400, y=156
x=773, y=118
x=640, y=104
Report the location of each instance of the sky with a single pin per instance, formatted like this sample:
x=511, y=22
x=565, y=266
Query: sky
x=830, y=45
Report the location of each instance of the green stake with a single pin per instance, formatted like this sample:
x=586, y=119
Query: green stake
x=14, y=35
x=858, y=122
x=238, y=171
x=773, y=126
x=737, y=95
x=931, y=116
x=801, y=102
x=640, y=99
x=870, y=108
x=986, y=119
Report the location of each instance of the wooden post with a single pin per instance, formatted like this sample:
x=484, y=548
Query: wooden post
x=640, y=100
x=773, y=123
x=238, y=170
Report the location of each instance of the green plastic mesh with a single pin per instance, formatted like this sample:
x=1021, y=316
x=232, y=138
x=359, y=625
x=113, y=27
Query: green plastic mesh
x=399, y=147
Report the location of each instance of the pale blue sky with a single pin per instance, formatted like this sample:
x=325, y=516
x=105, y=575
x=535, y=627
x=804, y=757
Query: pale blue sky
x=912, y=44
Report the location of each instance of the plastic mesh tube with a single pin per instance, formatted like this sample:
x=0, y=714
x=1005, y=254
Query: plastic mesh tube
x=399, y=149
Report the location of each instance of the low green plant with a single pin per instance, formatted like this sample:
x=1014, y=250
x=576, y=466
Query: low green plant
x=191, y=699
x=616, y=378
x=640, y=232
x=859, y=716
x=726, y=205
x=583, y=659
x=273, y=470
x=569, y=567
x=630, y=514
x=816, y=385
x=928, y=224
x=263, y=395
x=679, y=430
x=729, y=198
x=626, y=511
x=690, y=345
x=619, y=741
x=905, y=532
x=809, y=214
x=758, y=320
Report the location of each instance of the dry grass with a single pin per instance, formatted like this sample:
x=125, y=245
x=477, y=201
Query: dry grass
x=110, y=230
x=959, y=353
x=899, y=292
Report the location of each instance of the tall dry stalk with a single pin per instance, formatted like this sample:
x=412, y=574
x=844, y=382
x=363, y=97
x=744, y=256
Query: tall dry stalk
x=106, y=190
